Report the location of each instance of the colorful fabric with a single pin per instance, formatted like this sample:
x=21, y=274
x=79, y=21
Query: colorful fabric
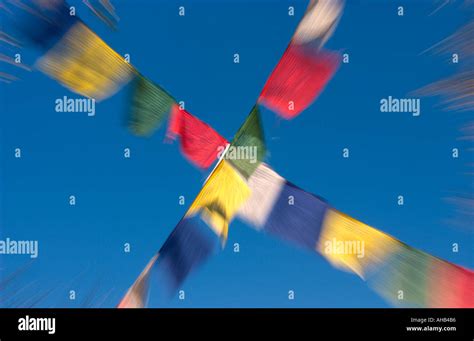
x=137, y=295
x=319, y=22
x=220, y=198
x=85, y=64
x=282, y=209
x=297, y=217
x=247, y=149
x=186, y=248
x=413, y=278
x=150, y=106
x=404, y=279
x=452, y=286
x=39, y=23
x=351, y=245
x=265, y=187
x=199, y=142
x=298, y=79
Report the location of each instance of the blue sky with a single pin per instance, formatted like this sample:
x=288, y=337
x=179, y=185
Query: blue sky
x=136, y=200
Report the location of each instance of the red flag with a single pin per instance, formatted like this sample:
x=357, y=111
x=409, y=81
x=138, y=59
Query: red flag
x=451, y=286
x=298, y=79
x=199, y=142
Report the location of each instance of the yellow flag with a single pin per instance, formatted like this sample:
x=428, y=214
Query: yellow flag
x=85, y=64
x=352, y=245
x=220, y=198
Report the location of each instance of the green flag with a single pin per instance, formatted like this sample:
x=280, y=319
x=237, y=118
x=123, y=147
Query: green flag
x=150, y=106
x=405, y=278
x=247, y=149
